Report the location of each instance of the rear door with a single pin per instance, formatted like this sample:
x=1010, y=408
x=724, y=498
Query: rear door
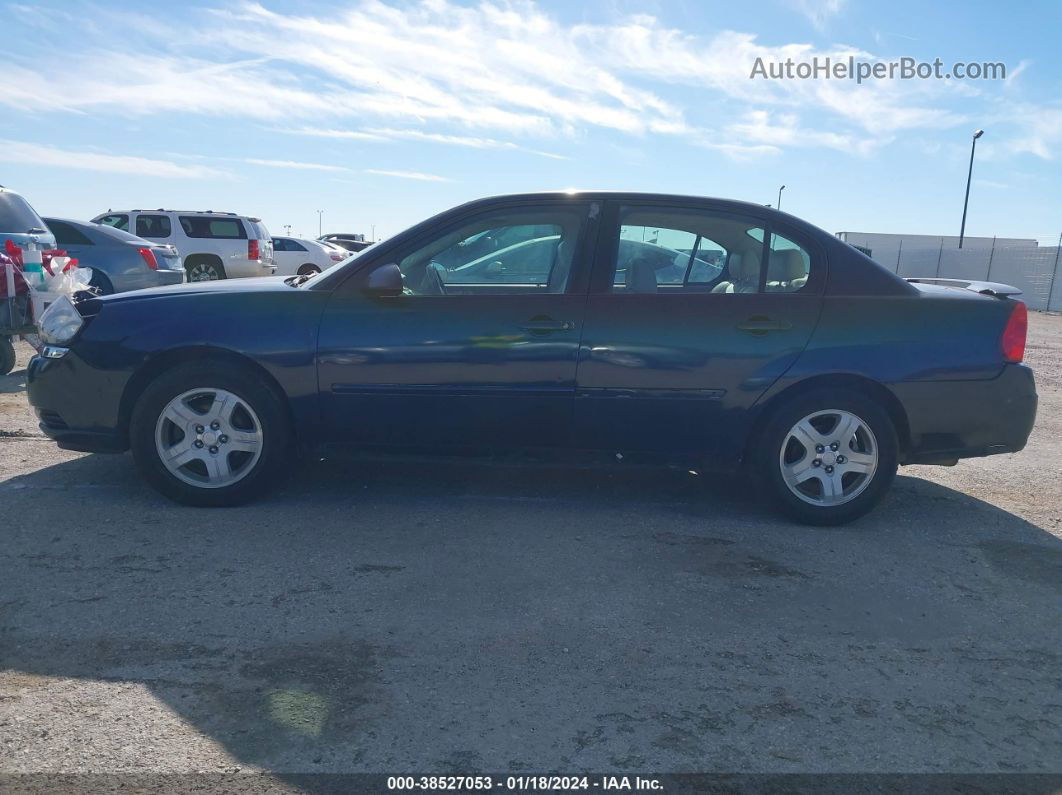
x=480, y=351
x=690, y=318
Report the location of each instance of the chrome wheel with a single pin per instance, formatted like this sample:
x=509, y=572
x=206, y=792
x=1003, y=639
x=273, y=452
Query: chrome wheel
x=208, y=438
x=829, y=457
x=203, y=272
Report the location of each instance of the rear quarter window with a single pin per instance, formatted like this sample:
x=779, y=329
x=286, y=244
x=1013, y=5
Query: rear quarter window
x=16, y=215
x=218, y=228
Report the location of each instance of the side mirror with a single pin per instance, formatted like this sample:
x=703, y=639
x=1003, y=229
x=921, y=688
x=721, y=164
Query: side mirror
x=385, y=281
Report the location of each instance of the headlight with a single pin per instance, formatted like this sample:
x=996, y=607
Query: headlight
x=60, y=322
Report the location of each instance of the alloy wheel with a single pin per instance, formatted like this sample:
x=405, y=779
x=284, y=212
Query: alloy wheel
x=202, y=272
x=829, y=457
x=208, y=437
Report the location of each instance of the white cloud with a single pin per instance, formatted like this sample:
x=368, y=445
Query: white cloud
x=294, y=164
x=409, y=134
x=492, y=76
x=1039, y=129
x=819, y=12
x=418, y=175
x=40, y=155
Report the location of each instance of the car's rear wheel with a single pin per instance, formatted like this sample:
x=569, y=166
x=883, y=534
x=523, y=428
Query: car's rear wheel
x=309, y=269
x=204, y=270
x=101, y=283
x=829, y=456
x=210, y=434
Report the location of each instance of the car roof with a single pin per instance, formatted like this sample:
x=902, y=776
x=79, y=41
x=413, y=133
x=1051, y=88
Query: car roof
x=181, y=212
x=103, y=229
x=735, y=205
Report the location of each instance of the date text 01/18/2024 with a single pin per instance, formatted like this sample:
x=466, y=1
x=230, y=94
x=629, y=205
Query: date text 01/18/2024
x=523, y=783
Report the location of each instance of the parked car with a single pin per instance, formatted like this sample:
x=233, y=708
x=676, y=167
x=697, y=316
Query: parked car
x=20, y=224
x=293, y=255
x=349, y=241
x=784, y=353
x=119, y=261
x=212, y=245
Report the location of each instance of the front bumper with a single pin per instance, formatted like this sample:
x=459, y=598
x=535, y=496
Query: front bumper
x=948, y=420
x=76, y=405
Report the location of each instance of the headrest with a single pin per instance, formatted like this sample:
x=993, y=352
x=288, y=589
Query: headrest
x=641, y=276
x=785, y=265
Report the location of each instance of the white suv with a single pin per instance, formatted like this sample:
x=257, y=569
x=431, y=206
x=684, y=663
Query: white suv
x=212, y=245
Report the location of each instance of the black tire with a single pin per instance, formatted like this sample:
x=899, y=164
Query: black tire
x=101, y=283
x=7, y=355
x=249, y=387
x=769, y=452
x=308, y=269
x=204, y=269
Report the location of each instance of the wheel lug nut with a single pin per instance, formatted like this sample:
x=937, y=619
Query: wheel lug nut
x=834, y=445
x=841, y=459
x=820, y=449
x=199, y=429
x=198, y=442
x=215, y=425
x=213, y=450
x=829, y=470
x=223, y=439
x=817, y=462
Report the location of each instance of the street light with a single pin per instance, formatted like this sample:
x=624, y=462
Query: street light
x=779, y=205
x=319, y=214
x=969, y=175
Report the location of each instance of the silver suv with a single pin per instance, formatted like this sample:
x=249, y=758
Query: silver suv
x=212, y=245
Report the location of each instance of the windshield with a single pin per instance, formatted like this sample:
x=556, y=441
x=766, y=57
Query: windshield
x=16, y=215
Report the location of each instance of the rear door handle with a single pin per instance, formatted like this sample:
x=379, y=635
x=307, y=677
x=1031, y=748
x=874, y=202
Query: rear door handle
x=547, y=325
x=761, y=325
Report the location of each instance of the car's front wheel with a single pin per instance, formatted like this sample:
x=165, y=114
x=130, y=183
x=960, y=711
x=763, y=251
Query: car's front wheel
x=308, y=269
x=210, y=434
x=829, y=456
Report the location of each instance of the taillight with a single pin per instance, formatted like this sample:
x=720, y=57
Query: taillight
x=149, y=258
x=1014, y=333
x=252, y=249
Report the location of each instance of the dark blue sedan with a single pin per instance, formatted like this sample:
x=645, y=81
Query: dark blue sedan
x=721, y=335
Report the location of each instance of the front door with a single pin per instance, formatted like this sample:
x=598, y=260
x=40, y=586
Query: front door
x=691, y=316
x=479, y=352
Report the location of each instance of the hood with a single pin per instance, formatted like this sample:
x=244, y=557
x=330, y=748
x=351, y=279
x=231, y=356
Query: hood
x=263, y=284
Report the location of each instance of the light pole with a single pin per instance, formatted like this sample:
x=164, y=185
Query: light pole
x=287, y=229
x=779, y=205
x=319, y=214
x=372, y=234
x=969, y=175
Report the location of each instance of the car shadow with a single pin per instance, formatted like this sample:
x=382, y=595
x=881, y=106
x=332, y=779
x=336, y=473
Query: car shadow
x=13, y=382
x=388, y=617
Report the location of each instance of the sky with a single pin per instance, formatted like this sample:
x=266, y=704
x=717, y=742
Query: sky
x=380, y=113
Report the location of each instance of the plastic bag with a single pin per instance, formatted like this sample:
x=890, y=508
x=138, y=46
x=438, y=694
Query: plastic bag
x=68, y=280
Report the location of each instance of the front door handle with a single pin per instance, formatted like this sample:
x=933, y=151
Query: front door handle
x=546, y=324
x=761, y=325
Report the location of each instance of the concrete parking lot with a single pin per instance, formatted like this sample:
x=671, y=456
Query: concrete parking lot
x=461, y=618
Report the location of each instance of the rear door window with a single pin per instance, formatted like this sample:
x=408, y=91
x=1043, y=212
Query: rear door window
x=68, y=235
x=116, y=220
x=202, y=226
x=153, y=226
x=677, y=250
